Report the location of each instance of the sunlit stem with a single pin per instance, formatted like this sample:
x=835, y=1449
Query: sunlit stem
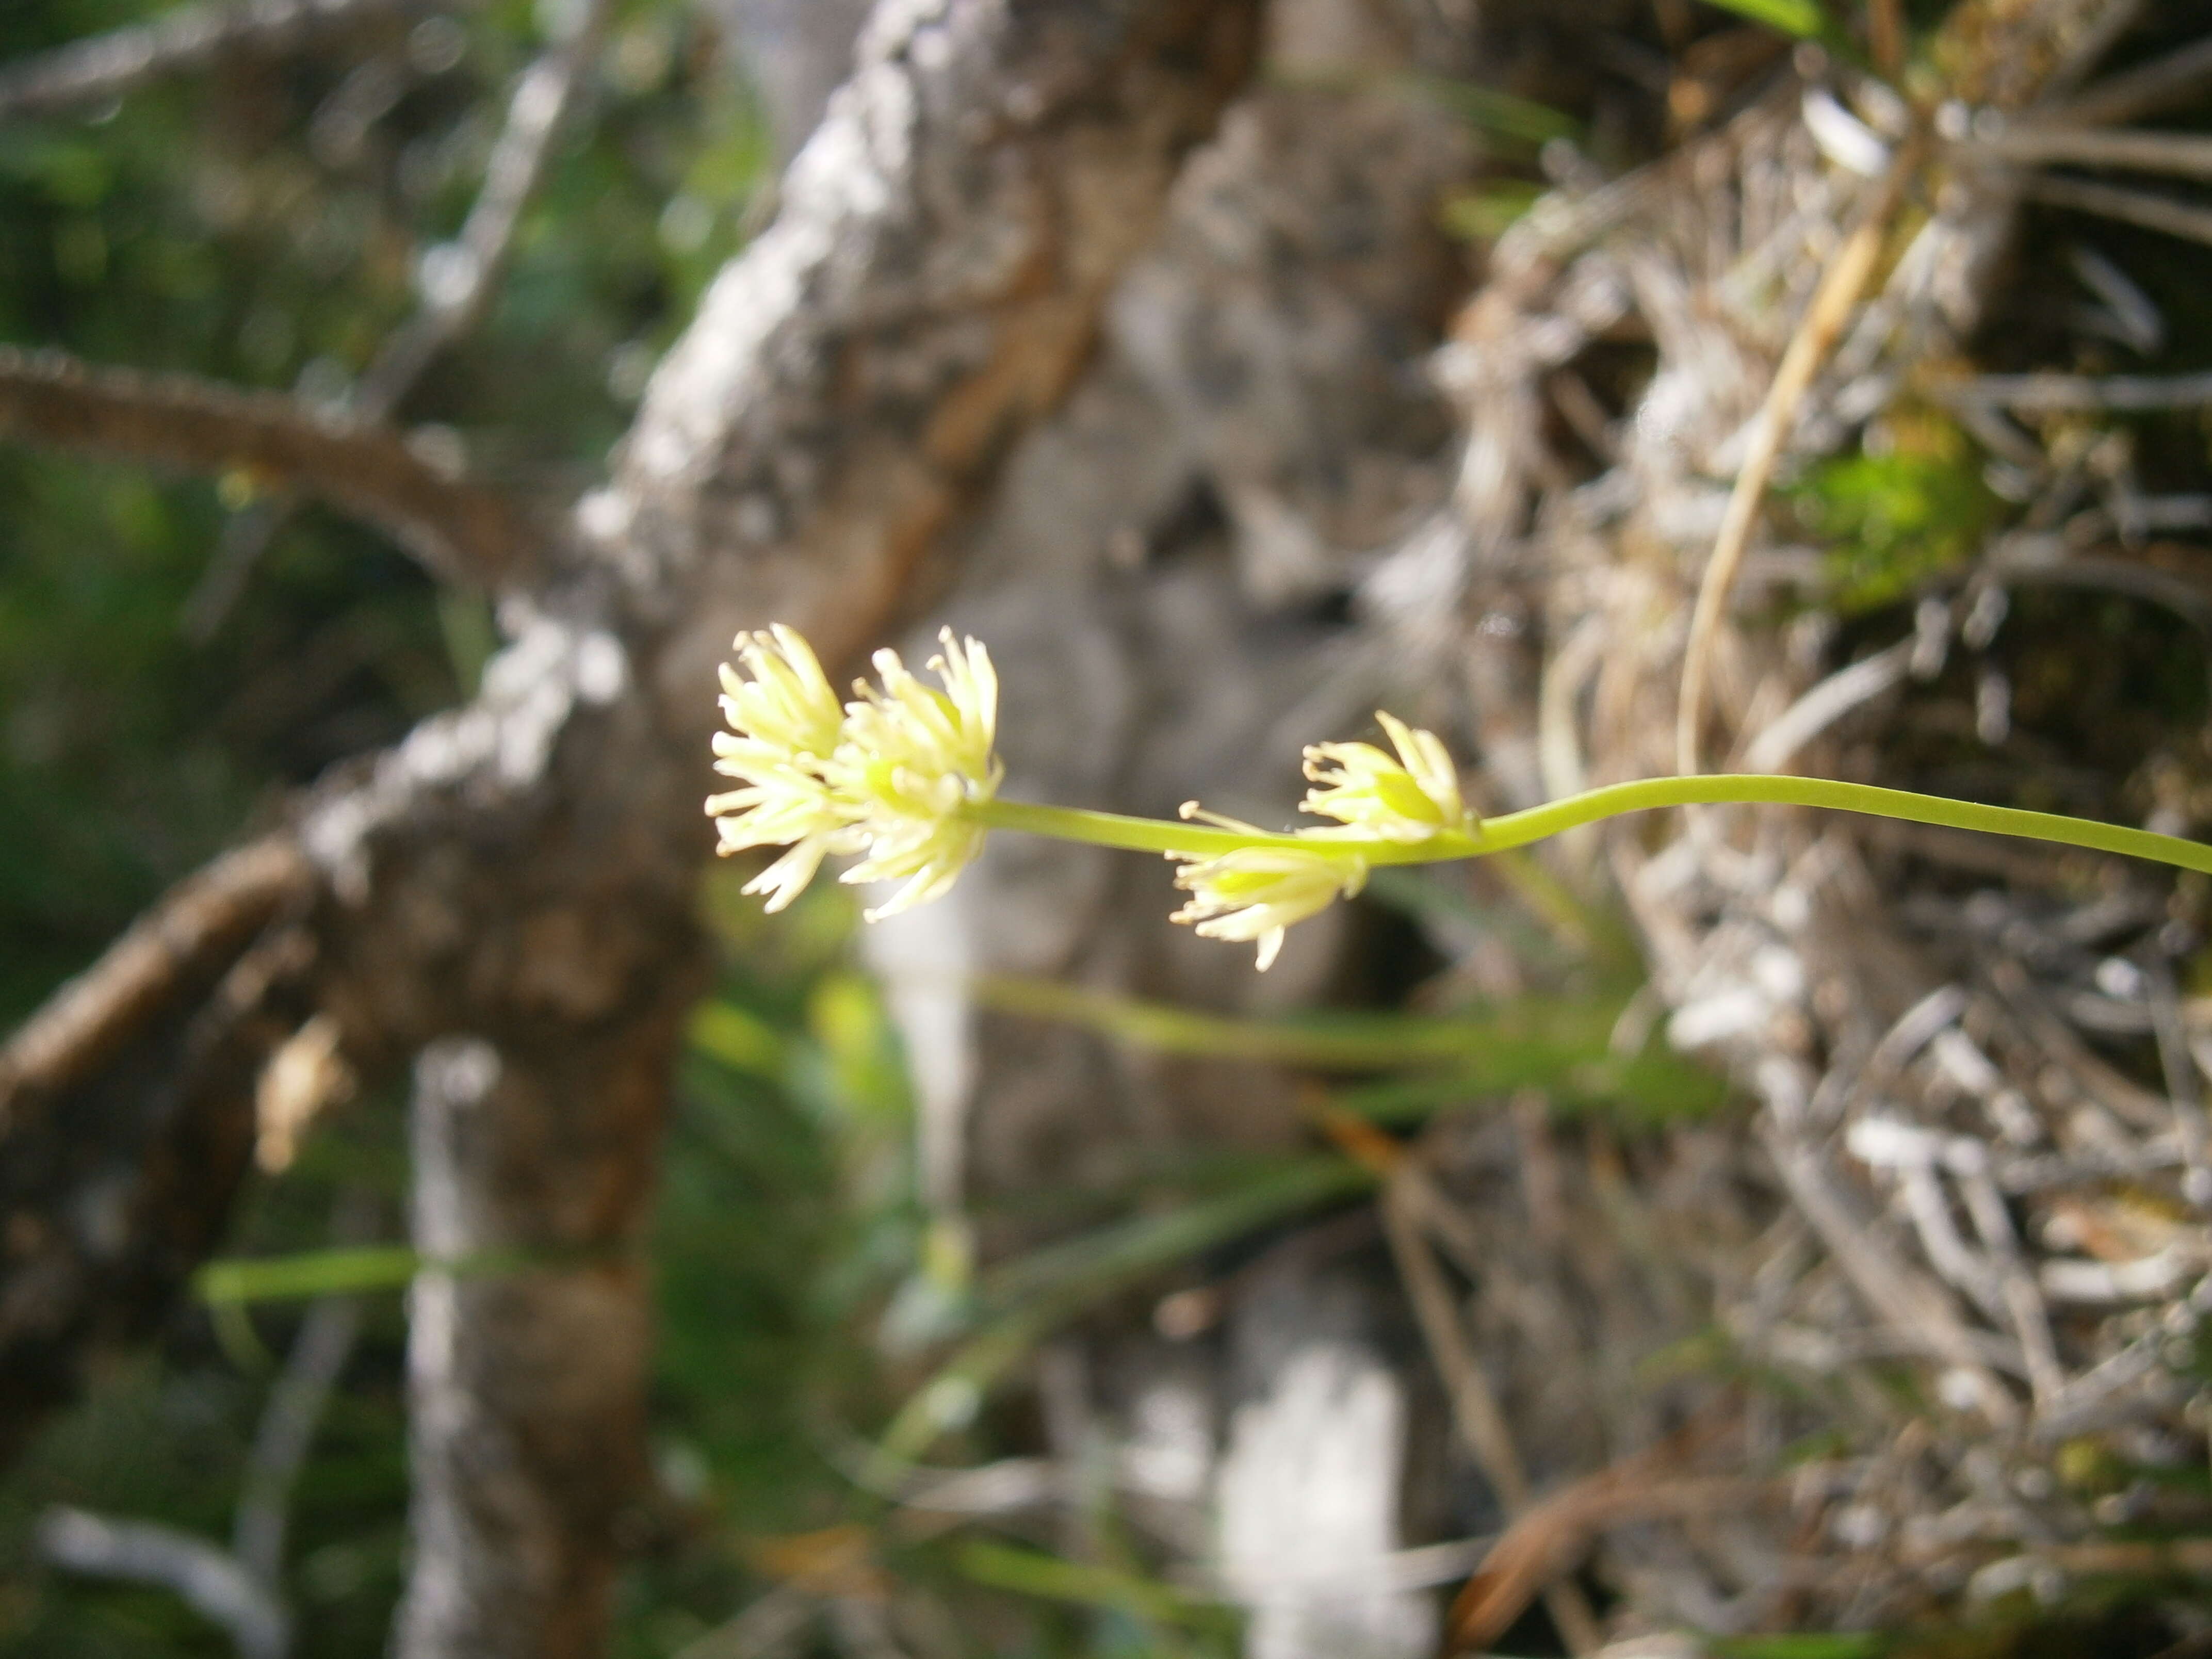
x=1539, y=823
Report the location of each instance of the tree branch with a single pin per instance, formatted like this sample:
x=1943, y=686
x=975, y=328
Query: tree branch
x=463, y=534
x=199, y=927
x=180, y=42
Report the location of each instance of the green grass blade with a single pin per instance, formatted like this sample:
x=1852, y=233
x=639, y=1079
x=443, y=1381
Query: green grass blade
x=1045, y=1290
x=1345, y=1041
x=1053, y=1578
x=1802, y=19
x=346, y=1272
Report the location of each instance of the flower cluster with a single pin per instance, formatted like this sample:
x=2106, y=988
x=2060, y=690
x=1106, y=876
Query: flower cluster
x=885, y=775
x=1252, y=894
x=904, y=776
x=1408, y=799
x=1255, y=893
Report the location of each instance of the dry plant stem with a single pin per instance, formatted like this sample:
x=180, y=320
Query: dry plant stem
x=205, y=1576
x=1886, y=35
x=2041, y=394
x=2132, y=207
x=2186, y=154
x=294, y=1410
x=1901, y=1296
x=1816, y=336
x=179, y=42
x=1545, y=1541
x=463, y=534
x=2159, y=84
x=1475, y=1410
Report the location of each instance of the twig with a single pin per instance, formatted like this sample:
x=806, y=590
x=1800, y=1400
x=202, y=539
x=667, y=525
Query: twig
x=190, y=935
x=1892, y=1290
x=1886, y=36
x=1473, y=1400
x=2051, y=394
x=1543, y=1543
x=2079, y=54
x=107, y=66
x=2124, y=1099
x=286, y=1432
x=2187, y=155
x=770, y=1625
x=204, y=1575
x=2159, y=84
x=296, y=1407
x=1825, y=703
x=240, y=1589
x=468, y=268
x=1816, y=336
x=464, y=273
x=2188, y=598
x=465, y=535
x=2129, y=207
x=2181, y=1083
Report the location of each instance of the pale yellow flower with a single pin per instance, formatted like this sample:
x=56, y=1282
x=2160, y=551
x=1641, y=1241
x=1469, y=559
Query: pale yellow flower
x=1252, y=894
x=784, y=723
x=911, y=757
x=1409, y=798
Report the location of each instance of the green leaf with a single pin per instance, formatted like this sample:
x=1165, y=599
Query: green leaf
x=1802, y=18
x=1051, y=1577
x=1037, y=1293
x=739, y=1039
x=312, y=1274
x=1560, y=1046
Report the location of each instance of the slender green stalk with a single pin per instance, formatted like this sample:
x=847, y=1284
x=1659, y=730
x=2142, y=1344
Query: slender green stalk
x=1539, y=823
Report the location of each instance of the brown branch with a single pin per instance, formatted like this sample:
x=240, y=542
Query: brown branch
x=179, y=42
x=1543, y=1544
x=463, y=534
x=200, y=926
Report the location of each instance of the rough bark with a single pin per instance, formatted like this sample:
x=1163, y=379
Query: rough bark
x=518, y=875
x=526, y=1387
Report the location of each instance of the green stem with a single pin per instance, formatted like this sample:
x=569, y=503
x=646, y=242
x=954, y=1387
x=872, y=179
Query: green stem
x=1539, y=823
